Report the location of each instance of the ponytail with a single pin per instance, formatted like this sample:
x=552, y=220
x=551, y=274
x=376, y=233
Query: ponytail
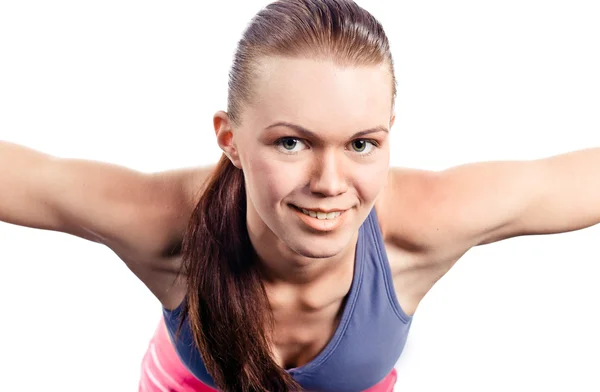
x=227, y=306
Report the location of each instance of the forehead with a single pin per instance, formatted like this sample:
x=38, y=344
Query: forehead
x=322, y=95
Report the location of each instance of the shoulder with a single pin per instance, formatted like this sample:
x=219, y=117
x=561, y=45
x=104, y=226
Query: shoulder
x=413, y=214
x=155, y=258
x=176, y=194
x=404, y=208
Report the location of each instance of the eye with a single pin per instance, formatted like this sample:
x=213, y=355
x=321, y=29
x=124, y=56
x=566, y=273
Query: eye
x=363, y=146
x=288, y=145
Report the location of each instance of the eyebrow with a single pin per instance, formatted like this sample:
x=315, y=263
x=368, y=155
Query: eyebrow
x=310, y=134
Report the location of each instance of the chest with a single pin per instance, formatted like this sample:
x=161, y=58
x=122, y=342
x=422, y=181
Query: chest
x=301, y=334
x=302, y=331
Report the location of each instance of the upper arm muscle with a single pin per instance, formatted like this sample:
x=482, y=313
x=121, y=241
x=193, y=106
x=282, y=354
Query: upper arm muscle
x=482, y=202
x=129, y=211
x=137, y=215
x=444, y=214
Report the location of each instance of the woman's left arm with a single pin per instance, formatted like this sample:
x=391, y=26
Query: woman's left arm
x=484, y=202
x=499, y=200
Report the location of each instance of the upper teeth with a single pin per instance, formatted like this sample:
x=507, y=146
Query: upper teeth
x=322, y=215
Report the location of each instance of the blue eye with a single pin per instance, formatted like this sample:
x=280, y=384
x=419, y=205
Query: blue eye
x=363, y=147
x=288, y=145
x=359, y=145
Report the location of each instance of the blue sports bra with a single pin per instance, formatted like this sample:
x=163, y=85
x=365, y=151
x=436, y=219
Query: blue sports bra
x=367, y=342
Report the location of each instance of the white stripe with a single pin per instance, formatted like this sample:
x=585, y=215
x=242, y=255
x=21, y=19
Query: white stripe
x=155, y=381
x=159, y=366
x=143, y=387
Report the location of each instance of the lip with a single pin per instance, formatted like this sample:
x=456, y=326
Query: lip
x=323, y=225
x=318, y=209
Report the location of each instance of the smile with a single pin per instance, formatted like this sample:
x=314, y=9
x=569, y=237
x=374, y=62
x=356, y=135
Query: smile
x=320, y=220
x=321, y=215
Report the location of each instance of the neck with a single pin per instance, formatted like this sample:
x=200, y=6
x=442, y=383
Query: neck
x=282, y=266
x=279, y=265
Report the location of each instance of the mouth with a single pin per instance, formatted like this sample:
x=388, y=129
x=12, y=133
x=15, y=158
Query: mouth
x=320, y=220
x=318, y=213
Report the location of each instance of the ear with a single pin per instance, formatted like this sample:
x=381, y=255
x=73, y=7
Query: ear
x=225, y=139
x=392, y=120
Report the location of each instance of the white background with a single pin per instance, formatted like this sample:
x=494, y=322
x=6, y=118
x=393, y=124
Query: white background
x=136, y=83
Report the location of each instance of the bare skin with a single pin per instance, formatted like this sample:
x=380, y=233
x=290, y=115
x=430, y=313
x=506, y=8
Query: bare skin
x=156, y=208
x=304, y=324
x=428, y=219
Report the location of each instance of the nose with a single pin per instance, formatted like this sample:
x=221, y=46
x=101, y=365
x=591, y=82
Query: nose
x=328, y=178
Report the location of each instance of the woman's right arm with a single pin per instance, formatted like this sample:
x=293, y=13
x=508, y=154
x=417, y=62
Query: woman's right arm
x=139, y=216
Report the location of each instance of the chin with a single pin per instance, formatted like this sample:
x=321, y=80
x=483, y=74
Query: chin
x=317, y=249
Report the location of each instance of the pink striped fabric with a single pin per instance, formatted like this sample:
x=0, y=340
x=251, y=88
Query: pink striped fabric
x=163, y=371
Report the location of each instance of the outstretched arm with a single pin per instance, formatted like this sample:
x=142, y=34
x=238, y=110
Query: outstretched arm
x=480, y=203
x=507, y=199
x=139, y=216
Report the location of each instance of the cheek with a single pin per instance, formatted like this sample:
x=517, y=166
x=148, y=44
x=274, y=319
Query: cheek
x=369, y=180
x=268, y=182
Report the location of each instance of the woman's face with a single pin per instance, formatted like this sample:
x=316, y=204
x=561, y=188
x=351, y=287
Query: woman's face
x=315, y=141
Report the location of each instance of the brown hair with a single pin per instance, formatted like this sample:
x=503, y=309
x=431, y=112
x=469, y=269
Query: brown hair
x=226, y=303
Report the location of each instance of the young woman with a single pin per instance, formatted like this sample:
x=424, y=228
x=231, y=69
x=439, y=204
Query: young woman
x=298, y=261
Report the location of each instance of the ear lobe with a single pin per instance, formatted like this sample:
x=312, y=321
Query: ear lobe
x=227, y=144
x=225, y=137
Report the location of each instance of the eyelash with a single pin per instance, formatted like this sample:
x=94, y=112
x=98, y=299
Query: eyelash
x=278, y=143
